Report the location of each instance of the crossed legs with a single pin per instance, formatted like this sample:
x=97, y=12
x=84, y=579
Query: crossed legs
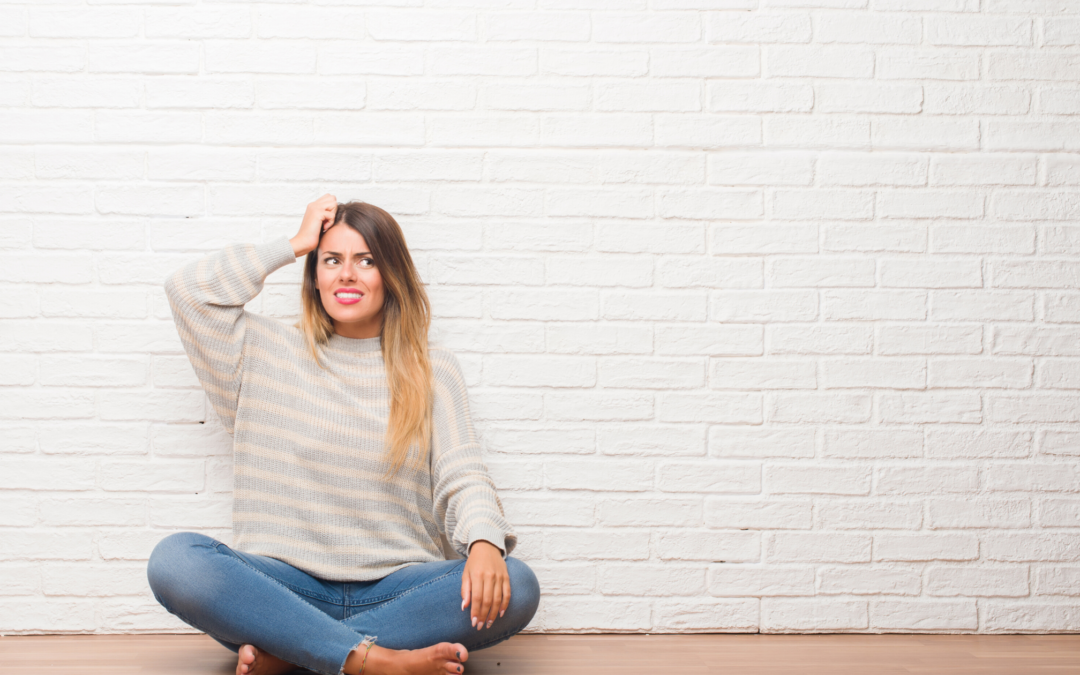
x=243, y=599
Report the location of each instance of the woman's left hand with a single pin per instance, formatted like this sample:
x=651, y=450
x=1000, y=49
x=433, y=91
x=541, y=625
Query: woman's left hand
x=485, y=583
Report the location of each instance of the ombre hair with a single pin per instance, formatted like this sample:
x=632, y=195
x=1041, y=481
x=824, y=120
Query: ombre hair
x=406, y=317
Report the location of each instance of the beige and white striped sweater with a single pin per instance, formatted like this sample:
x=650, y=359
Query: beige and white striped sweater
x=308, y=444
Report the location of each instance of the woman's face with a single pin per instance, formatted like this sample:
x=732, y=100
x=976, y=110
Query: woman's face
x=349, y=283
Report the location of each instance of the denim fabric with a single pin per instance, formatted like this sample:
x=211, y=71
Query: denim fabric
x=240, y=598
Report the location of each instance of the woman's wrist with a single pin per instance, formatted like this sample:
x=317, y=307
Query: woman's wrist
x=485, y=541
x=300, y=249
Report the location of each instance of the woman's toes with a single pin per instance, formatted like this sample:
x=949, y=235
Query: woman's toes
x=460, y=652
x=247, y=659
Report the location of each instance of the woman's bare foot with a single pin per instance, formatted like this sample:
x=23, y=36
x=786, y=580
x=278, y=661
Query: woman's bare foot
x=254, y=661
x=440, y=659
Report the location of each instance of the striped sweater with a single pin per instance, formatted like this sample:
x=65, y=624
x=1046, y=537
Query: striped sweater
x=309, y=444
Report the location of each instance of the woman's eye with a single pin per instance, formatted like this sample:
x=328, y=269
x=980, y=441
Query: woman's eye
x=367, y=262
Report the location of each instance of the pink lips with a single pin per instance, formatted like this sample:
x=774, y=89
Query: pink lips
x=348, y=301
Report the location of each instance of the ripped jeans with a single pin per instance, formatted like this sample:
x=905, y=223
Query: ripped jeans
x=241, y=598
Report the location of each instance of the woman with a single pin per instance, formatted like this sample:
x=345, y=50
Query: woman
x=354, y=459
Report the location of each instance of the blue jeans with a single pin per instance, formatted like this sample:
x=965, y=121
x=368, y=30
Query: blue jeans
x=241, y=598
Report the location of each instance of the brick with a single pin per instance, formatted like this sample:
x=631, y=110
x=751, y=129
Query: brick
x=827, y=339
x=712, y=546
x=548, y=26
x=796, y=616
x=865, y=444
x=647, y=97
x=1057, y=580
x=817, y=408
x=595, y=338
x=694, y=271
x=819, y=270
x=758, y=27
x=862, y=169
x=773, y=442
x=981, y=582
x=674, y=168
x=643, y=27
x=800, y=479
x=727, y=513
x=861, y=514
x=780, y=168
x=646, y=512
x=869, y=28
x=715, y=340
x=599, y=406
x=819, y=61
x=589, y=613
x=708, y=477
x=1034, y=547
x=716, y=408
x=594, y=544
x=922, y=547
x=979, y=31
x=924, y=615
x=729, y=373
x=763, y=306
x=968, y=513
x=727, y=96
x=962, y=99
x=651, y=373
x=653, y=580
x=868, y=581
x=918, y=407
x=661, y=441
x=727, y=61
x=817, y=547
x=734, y=616
x=860, y=304
x=757, y=238
x=709, y=132
x=927, y=64
x=609, y=62
x=924, y=133
x=772, y=580
x=1059, y=443
x=538, y=511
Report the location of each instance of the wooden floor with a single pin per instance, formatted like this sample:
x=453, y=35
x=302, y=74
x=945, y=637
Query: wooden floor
x=597, y=655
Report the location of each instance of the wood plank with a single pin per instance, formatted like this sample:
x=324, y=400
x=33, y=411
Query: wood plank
x=730, y=654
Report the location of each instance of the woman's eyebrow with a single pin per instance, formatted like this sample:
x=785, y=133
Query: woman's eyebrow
x=339, y=255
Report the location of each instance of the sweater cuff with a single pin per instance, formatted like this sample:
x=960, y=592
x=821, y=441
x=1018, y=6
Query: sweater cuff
x=275, y=253
x=487, y=533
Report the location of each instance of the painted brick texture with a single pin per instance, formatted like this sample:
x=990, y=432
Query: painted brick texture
x=770, y=309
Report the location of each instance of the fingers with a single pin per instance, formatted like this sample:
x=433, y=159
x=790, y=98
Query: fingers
x=505, y=597
x=477, y=600
x=496, y=600
x=487, y=599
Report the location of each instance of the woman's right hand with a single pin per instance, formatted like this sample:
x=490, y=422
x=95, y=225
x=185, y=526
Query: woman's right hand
x=319, y=216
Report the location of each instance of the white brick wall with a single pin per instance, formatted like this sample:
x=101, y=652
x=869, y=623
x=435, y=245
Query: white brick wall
x=769, y=308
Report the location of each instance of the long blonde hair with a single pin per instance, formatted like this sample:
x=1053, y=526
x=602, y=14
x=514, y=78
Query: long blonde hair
x=406, y=318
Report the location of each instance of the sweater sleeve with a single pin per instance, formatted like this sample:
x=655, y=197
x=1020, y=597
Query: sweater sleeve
x=207, y=298
x=465, y=499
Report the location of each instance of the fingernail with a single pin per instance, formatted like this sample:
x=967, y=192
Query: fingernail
x=501, y=613
x=489, y=623
x=459, y=656
x=463, y=605
x=474, y=622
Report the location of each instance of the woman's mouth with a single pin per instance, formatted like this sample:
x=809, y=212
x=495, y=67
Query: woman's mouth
x=348, y=297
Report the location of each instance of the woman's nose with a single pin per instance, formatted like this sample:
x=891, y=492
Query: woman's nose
x=348, y=272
